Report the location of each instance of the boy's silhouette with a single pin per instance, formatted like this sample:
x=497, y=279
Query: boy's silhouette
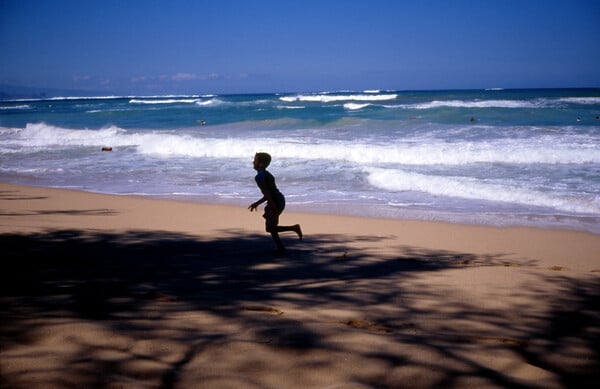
x=274, y=198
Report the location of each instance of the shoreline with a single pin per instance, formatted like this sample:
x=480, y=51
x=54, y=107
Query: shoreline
x=558, y=222
x=550, y=242
x=122, y=291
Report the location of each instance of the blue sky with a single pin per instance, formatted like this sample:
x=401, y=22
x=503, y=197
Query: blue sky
x=227, y=46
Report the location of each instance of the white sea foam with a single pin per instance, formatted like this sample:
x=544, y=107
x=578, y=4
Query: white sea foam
x=207, y=103
x=474, y=104
x=11, y=107
x=42, y=136
x=535, y=103
x=59, y=98
x=546, y=149
x=109, y=97
x=581, y=100
x=355, y=106
x=326, y=98
x=397, y=180
x=290, y=107
x=164, y=101
x=7, y=131
x=32, y=170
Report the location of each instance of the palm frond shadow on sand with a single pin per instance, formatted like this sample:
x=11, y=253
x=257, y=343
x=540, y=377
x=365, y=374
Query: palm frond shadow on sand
x=117, y=280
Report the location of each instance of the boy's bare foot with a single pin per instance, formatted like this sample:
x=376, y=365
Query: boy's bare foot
x=298, y=231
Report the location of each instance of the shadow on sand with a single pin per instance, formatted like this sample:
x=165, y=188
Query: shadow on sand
x=197, y=297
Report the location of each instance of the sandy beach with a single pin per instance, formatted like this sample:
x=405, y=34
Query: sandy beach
x=130, y=292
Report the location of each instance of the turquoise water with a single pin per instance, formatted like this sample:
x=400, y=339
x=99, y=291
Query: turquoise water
x=498, y=157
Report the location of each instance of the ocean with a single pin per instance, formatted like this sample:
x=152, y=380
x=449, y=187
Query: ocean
x=490, y=157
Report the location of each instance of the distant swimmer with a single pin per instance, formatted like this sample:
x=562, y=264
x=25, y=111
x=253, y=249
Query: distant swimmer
x=578, y=119
x=202, y=122
x=472, y=119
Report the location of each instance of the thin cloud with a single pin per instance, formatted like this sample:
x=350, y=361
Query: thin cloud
x=185, y=77
x=178, y=77
x=194, y=77
x=78, y=78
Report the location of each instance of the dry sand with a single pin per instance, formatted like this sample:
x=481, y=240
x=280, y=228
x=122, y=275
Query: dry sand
x=128, y=292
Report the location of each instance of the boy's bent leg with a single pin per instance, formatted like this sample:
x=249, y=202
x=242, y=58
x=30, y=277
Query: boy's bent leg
x=296, y=228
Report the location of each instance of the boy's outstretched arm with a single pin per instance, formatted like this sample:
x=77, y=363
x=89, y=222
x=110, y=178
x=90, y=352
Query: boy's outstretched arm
x=253, y=206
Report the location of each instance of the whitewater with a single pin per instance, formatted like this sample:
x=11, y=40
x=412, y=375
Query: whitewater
x=492, y=157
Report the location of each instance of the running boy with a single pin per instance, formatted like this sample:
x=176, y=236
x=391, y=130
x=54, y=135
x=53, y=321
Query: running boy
x=274, y=198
